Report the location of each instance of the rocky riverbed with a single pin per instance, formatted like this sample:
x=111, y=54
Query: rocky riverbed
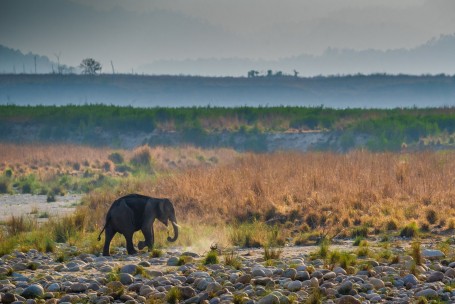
x=35, y=277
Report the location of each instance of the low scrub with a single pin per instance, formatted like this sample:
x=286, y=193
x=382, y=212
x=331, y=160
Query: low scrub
x=409, y=231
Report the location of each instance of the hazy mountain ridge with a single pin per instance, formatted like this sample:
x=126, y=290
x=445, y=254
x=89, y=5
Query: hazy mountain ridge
x=14, y=61
x=437, y=56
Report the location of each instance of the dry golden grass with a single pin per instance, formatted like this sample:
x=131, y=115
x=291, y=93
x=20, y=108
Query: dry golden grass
x=361, y=188
x=308, y=189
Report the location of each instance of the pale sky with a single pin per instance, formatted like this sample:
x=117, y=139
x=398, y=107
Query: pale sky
x=136, y=32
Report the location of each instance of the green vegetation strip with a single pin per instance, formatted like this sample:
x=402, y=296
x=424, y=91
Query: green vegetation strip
x=386, y=129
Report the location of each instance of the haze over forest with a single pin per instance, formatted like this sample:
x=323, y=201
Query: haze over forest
x=228, y=38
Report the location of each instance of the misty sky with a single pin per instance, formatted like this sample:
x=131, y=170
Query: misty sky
x=136, y=32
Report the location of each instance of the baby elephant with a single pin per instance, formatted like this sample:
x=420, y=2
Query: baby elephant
x=134, y=212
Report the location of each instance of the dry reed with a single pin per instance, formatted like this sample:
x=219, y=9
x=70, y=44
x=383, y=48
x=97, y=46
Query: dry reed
x=365, y=188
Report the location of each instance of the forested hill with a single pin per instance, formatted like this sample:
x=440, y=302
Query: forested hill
x=242, y=128
x=354, y=91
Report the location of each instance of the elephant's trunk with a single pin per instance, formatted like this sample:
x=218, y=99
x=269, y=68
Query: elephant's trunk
x=176, y=232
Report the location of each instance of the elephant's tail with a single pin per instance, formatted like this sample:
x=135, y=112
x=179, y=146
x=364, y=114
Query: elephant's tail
x=107, y=221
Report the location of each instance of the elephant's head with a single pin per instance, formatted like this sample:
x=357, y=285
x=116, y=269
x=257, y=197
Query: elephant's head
x=167, y=213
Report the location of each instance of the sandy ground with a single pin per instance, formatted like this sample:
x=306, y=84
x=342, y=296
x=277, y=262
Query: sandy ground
x=36, y=206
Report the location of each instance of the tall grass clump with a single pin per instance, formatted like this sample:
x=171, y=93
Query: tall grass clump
x=18, y=224
x=416, y=252
x=5, y=185
x=233, y=260
x=211, y=258
x=324, y=245
x=142, y=157
x=411, y=230
x=173, y=295
x=271, y=253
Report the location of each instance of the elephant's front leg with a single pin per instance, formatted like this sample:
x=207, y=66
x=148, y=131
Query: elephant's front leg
x=148, y=233
x=129, y=243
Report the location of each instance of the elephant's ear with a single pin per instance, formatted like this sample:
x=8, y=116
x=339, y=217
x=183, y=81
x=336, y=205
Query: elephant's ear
x=163, y=213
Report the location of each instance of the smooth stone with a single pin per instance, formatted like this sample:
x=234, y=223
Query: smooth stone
x=172, y=261
x=202, y=284
x=144, y=264
x=317, y=274
x=8, y=298
x=106, y=268
x=339, y=270
x=427, y=293
x=191, y=254
x=433, y=254
x=129, y=268
x=348, y=299
x=294, y=286
x=126, y=278
x=290, y=273
x=145, y=290
x=329, y=275
x=187, y=292
x=269, y=299
x=410, y=279
x=258, y=272
x=377, y=283
x=302, y=276
x=78, y=287
x=33, y=291
x=314, y=282
x=450, y=273
x=244, y=279
x=54, y=287
x=296, y=262
x=345, y=287
x=435, y=276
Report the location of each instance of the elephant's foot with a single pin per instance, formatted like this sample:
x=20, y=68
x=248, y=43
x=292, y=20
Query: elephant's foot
x=132, y=251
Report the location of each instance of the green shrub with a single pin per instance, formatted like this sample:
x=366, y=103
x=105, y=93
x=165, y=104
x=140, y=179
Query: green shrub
x=271, y=253
x=50, y=197
x=5, y=185
x=8, y=173
x=431, y=216
x=174, y=295
x=233, y=260
x=416, y=252
x=391, y=225
x=116, y=158
x=156, y=253
x=358, y=240
x=359, y=232
x=323, y=248
x=410, y=230
x=142, y=157
x=18, y=224
x=211, y=258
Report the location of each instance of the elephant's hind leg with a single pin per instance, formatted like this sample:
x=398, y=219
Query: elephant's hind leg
x=109, y=234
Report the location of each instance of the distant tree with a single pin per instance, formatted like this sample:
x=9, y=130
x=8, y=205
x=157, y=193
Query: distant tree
x=252, y=73
x=90, y=66
x=269, y=73
x=296, y=73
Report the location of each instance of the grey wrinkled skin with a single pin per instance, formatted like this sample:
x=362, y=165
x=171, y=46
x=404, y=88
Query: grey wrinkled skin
x=135, y=212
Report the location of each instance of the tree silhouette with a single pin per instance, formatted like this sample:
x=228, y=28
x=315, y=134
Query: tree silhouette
x=90, y=66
